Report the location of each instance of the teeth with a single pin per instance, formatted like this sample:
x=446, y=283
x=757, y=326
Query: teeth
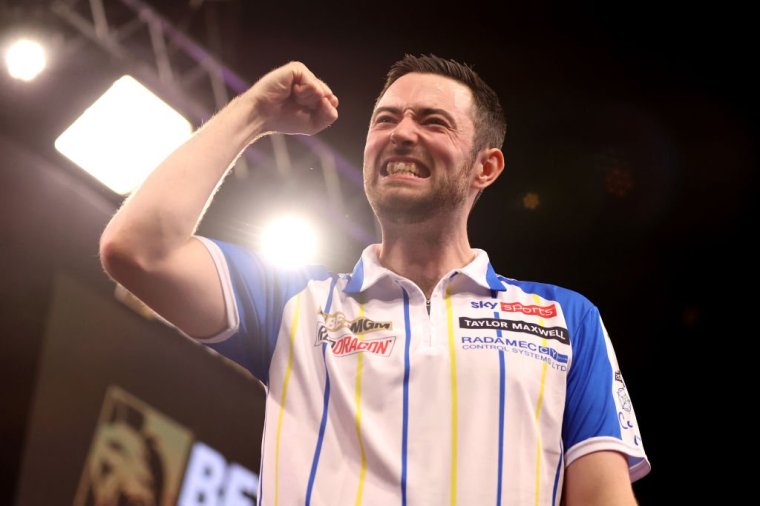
x=403, y=168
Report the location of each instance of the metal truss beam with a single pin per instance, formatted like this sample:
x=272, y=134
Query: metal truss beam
x=188, y=75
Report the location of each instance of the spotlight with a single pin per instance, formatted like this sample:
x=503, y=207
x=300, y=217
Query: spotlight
x=124, y=135
x=25, y=59
x=288, y=241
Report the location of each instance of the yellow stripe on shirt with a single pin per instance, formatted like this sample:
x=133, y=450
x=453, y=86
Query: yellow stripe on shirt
x=358, y=421
x=539, y=445
x=283, y=397
x=454, y=408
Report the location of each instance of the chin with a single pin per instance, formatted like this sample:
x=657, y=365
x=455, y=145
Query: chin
x=403, y=212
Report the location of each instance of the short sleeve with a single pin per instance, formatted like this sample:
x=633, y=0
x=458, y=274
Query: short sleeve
x=255, y=296
x=598, y=410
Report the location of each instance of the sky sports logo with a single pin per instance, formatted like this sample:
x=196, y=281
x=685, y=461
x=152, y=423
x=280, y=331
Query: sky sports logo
x=557, y=333
x=549, y=311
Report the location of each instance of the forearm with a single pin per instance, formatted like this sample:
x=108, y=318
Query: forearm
x=147, y=246
x=599, y=478
x=164, y=212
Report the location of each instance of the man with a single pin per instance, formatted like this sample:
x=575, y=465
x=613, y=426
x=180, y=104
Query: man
x=422, y=377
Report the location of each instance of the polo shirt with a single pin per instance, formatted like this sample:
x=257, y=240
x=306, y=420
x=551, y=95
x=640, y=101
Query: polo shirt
x=482, y=394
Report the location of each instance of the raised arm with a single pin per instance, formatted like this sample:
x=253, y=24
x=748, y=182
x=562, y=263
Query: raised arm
x=148, y=246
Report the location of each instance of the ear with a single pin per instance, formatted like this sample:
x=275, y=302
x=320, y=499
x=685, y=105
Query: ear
x=489, y=167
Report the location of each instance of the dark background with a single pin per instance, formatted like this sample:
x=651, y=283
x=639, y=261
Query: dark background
x=635, y=125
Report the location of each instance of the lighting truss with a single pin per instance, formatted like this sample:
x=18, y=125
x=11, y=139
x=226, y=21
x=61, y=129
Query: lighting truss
x=167, y=60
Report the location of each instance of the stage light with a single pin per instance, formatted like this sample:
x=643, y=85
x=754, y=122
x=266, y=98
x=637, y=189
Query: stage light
x=25, y=59
x=123, y=135
x=531, y=201
x=619, y=181
x=288, y=241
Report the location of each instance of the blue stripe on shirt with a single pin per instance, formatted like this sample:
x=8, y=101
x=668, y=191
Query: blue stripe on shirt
x=325, y=404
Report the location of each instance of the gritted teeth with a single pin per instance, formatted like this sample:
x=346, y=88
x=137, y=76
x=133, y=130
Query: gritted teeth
x=405, y=168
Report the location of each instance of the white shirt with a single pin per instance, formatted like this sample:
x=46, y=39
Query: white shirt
x=371, y=400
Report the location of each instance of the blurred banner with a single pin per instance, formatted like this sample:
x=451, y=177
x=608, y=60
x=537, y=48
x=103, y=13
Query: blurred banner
x=130, y=412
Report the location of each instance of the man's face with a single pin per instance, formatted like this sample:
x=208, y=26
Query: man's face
x=418, y=156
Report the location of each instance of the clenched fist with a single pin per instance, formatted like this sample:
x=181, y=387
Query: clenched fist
x=291, y=100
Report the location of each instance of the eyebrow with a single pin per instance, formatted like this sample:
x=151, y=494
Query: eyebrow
x=425, y=111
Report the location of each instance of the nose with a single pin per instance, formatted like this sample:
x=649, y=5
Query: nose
x=405, y=132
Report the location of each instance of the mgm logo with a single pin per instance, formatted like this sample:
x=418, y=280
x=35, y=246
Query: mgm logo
x=141, y=457
x=334, y=322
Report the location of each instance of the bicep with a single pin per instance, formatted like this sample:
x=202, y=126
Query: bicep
x=184, y=289
x=599, y=478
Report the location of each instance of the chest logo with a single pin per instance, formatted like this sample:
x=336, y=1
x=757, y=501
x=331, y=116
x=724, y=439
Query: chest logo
x=362, y=325
x=346, y=337
x=556, y=333
x=549, y=311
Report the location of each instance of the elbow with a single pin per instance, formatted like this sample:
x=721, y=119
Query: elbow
x=130, y=258
x=115, y=257
x=121, y=256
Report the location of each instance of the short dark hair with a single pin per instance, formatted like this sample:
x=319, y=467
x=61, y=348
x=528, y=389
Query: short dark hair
x=488, y=117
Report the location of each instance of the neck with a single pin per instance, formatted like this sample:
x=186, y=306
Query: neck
x=425, y=252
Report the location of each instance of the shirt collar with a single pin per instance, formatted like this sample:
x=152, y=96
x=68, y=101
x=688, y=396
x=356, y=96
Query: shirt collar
x=369, y=271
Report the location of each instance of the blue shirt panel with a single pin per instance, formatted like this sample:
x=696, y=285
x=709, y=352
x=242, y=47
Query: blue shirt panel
x=261, y=292
x=590, y=409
